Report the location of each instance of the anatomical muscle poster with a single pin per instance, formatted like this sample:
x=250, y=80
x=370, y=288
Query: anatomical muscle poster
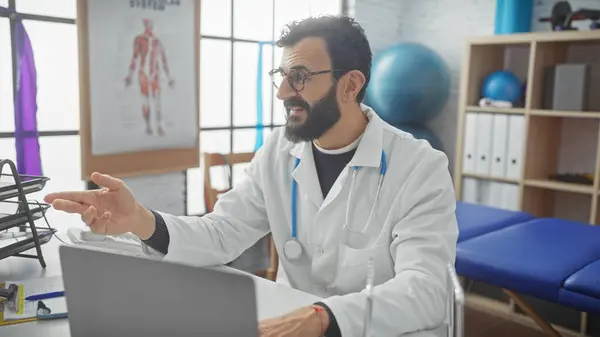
x=142, y=75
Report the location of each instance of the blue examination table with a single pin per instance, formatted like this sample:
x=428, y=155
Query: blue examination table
x=551, y=259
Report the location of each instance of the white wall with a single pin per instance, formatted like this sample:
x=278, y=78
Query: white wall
x=444, y=26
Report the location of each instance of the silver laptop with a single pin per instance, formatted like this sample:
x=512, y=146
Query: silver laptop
x=109, y=294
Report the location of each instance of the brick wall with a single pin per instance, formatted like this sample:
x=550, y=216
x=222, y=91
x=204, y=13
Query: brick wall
x=442, y=25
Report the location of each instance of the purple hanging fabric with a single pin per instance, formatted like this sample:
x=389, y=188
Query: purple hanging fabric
x=26, y=133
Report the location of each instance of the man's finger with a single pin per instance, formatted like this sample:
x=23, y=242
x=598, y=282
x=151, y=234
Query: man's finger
x=107, y=181
x=69, y=206
x=90, y=216
x=102, y=225
x=84, y=197
x=98, y=227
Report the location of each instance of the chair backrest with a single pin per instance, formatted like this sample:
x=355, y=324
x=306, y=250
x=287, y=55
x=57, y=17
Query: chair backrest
x=211, y=195
x=217, y=159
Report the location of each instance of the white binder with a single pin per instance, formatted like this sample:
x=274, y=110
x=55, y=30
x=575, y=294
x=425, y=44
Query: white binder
x=470, y=190
x=469, y=139
x=483, y=149
x=499, y=145
x=516, y=134
x=484, y=189
x=511, y=197
x=496, y=194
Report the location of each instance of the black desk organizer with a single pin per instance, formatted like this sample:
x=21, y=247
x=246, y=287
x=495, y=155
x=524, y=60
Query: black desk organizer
x=25, y=215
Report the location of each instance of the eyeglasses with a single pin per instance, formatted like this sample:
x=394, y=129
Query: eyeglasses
x=296, y=77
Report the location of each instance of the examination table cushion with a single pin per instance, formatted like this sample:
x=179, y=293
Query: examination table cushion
x=474, y=220
x=532, y=258
x=582, y=289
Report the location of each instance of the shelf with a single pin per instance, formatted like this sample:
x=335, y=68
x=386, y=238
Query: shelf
x=526, y=38
x=546, y=199
x=30, y=184
x=490, y=178
x=554, y=127
x=485, y=60
x=563, y=146
x=511, y=111
x=23, y=245
x=20, y=217
x=564, y=76
x=560, y=186
x=19, y=185
x=566, y=114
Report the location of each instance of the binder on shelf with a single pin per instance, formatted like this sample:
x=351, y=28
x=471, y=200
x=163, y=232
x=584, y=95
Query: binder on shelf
x=470, y=143
x=499, y=145
x=496, y=194
x=19, y=186
x=511, y=197
x=485, y=193
x=470, y=190
x=499, y=195
x=483, y=149
x=516, y=142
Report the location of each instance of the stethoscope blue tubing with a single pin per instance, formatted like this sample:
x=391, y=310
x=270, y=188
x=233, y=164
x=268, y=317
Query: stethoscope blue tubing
x=382, y=172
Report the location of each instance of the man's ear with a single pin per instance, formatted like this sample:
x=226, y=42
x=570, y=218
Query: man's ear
x=354, y=82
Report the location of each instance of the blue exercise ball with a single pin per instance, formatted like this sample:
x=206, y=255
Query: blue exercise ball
x=422, y=132
x=410, y=83
x=502, y=85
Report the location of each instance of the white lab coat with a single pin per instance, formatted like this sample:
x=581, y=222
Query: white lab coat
x=412, y=236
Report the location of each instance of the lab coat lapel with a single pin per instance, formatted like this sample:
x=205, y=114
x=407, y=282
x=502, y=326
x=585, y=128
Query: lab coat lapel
x=306, y=174
x=368, y=154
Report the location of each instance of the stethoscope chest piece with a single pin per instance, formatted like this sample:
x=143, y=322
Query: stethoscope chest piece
x=292, y=249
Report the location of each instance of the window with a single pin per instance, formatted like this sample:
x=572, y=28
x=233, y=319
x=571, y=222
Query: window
x=245, y=55
x=215, y=79
x=244, y=140
x=56, y=8
x=7, y=120
x=56, y=61
x=210, y=141
x=215, y=18
x=231, y=32
x=61, y=162
x=8, y=151
x=253, y=20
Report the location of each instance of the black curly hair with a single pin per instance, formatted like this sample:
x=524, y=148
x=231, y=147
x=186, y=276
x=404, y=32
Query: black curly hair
x=347, y=44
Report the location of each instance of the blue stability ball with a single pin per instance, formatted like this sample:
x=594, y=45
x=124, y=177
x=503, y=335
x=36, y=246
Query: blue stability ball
x=410, y=83
x=502, y=85
x=422, y=132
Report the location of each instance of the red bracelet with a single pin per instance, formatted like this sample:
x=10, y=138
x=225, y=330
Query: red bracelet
x=318, y=309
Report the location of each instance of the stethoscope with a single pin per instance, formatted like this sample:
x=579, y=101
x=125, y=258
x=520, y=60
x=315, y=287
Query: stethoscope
x=292, y=248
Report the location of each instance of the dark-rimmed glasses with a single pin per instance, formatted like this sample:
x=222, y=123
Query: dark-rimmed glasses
x=296, y=77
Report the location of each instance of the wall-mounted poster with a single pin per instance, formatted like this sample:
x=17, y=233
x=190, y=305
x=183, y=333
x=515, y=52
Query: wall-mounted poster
x=139, y=81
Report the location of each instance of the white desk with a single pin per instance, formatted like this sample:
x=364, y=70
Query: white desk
x=273, y=299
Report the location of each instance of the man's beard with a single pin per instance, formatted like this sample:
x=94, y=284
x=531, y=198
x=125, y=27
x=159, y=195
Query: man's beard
x=319, y=118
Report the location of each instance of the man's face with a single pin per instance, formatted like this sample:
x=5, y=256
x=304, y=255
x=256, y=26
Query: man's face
x=310, y=103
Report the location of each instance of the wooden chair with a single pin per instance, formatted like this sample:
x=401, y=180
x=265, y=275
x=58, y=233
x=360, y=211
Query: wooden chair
x=211, y=195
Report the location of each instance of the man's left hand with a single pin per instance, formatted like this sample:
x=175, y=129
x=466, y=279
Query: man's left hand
x=303, y=322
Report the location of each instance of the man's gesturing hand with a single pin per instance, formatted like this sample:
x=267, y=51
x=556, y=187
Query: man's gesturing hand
x=110, y=210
